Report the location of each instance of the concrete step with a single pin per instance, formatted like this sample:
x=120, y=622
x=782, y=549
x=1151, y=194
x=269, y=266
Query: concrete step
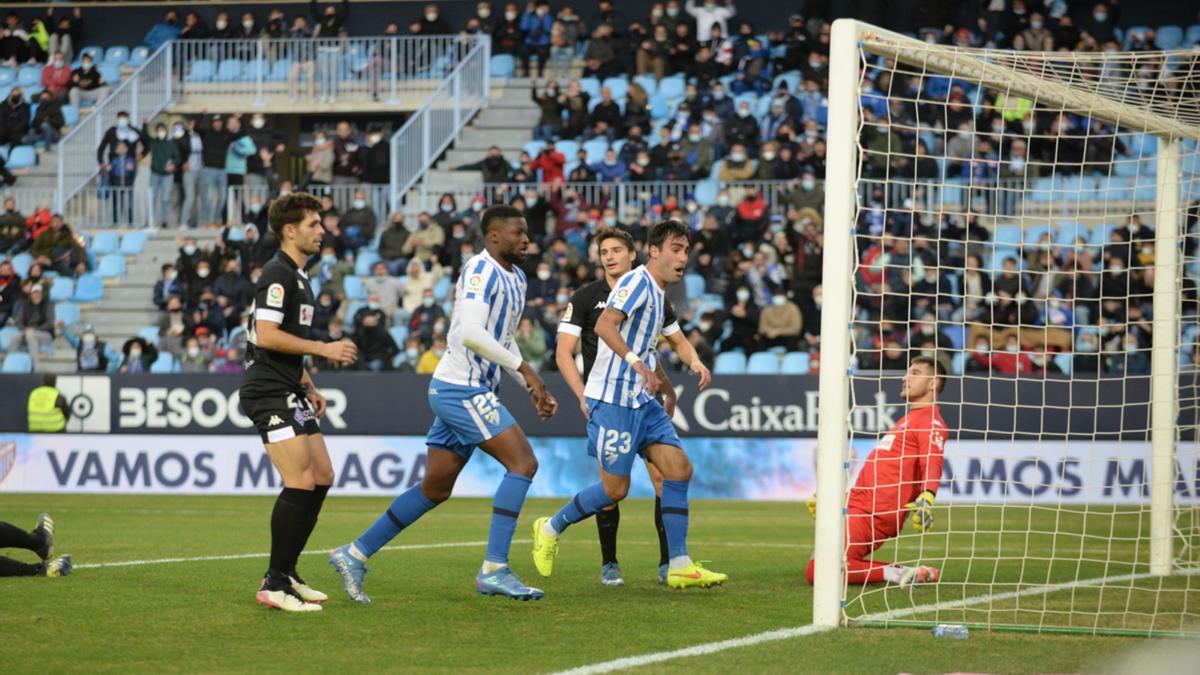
x=129, y=291
x=507, y=118
x=453, y=179
x=478, y=137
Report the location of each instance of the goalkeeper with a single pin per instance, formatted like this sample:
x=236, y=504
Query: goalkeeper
x=900, y=476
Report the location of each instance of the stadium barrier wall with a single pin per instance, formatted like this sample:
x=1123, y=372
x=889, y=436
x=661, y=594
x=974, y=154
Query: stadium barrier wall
x=781, y=469
x=741, y=406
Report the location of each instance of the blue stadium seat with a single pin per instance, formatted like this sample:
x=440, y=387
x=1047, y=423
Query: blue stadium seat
x=116, y=55
x=659, y=109
x=763, y=363
x=619, y=87
x=22, y=157
x=112, y=266
x=1068, y=231
x=133, y=243
x=694, y=283
x=792, y=77
x=1114, y=189
x=62, y=289
x=165, y=363
x=503, y=65
x=66, y=312
x=569, y=149
x=443, y=289
x=1007, y=235
x=1064, y=362
x=1192, y=37
x=794, y=363
x=202, y=71
x=352, y=310
x=29, y=75
x=595, y=149
x=590, y=85
x=8, y=77
x=672, y=87
x=89, y=288
x=399, y=335
x=230, y=70
x=21, y=263
x=648, y=83
x=6, y=336
x=17, y=362
x=706, y=192
x=255, y=69
x=957, y=334
x=96, y=52
x=364, y=262
x=730, y=363
x=999, y=253
x=1168, y=37
x=138, y=55
x=70, y=115
x=533, y=148
x=1101, y=234
x=279, y=71
x=149, y=334
x=104, y=243
x=958, y=363
x=111, y=73
x=353, y=287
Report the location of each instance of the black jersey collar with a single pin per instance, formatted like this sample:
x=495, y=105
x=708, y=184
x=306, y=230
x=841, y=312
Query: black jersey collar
x=287, y=260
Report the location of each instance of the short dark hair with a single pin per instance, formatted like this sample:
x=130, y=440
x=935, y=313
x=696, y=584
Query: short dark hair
x=615, y=233
x=168, y=266
x=939, y=371
x=665, y=230
x=498, y=212
x=49, y=380
x=290, y=210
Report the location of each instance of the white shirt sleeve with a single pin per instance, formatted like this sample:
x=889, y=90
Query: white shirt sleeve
x=476, y=337
x=513, y=372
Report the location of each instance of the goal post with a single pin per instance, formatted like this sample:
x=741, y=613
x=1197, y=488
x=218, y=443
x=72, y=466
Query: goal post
x=1082, y=146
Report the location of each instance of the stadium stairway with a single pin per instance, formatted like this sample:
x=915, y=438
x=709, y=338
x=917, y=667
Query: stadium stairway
x=127, y=306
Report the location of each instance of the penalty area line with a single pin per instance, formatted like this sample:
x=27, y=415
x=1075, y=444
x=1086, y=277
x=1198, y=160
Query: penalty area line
x=802, y=631
x=247, y=556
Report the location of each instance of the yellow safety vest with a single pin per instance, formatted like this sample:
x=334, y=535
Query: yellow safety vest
x=44, y=415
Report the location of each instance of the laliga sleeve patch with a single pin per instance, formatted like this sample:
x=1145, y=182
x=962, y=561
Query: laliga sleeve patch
x=275, y=295
x=622, y=294
x=475, y=283
x=570, y=310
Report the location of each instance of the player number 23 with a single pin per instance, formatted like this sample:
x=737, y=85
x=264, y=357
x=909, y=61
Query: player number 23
x=484, y=403
x=613, y=441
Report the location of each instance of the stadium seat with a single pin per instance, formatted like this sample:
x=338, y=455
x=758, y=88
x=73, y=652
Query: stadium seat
x=70, y=115
x=8, y=76
x=89, y=288
x=112, y=266
x=595, y=149
x=352, y=310
x=619, y=87
x=658, y=108
x=104, y=243
x=21, y=263
x=149, y=334
x=1064, y=362
x=133, y=243
x=706, y=193
x=1168, y=37
x=442, y=289
x=257, y=69
x=17, y=362
x=230, y=70
x=958, y=363
x=6, y=336
x=569, y=149
x=96, y=52
x=794, y=363
x=364, y=262
x=202, y=71
x=590, y=85
x=730, y=363
x=111, y=73
x=763, y=363
x=137, y=56
x=1067, y=232
x=399, y=335
x=66, y=312
x=533, y=148
x=279, y=71
x=62, y=289
x=671, y=87
x=116, y=55
x=791, y=77
x=1007, y=235
x=1192, y=37
x=165, y=363
x=694, y=283
x=503, y=65
x=29, y=75
x=353, y=287
x=22, y=157
x=648, y=83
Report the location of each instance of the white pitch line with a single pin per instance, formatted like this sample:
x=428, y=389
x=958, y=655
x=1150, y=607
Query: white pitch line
x=801, y=631
x=246, y=556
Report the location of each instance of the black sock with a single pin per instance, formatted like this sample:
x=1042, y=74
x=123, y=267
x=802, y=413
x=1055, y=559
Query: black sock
x=663, y=556
x=12, y=536
x=288, y=521
x=16, y=568
x=315, y=500
x=607, y=522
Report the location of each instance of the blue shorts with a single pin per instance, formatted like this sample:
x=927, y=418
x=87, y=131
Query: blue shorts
x=617, y=434
x=466, y=417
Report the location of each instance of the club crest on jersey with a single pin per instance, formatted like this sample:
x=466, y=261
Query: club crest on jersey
x=475, y=282
x=567, y=314
x=306, y=315
x=275, y=295
x=298, y=415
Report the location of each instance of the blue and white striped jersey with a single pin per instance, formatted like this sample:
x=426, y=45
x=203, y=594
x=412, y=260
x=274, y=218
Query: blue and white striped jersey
x=484, y=280
x=642, y=302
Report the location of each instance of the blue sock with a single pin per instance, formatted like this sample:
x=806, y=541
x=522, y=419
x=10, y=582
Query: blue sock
x=586, y=503
x=404, y=511
x=675, y=516
x=506, y=506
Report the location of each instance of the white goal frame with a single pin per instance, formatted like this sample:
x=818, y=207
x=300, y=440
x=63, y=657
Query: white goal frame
x=841, y=185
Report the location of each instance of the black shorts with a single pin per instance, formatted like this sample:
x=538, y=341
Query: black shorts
x=281, y=417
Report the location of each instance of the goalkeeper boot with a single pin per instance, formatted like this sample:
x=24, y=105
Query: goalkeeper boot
x=920, y=574
x=504, y=582
x=695, y=576
x=351, y=570
x=662, y=574
x=610, y=575
x=545, y=548
x=58, y=567
x=284, y=598
x=45, y=530
x=304, y=590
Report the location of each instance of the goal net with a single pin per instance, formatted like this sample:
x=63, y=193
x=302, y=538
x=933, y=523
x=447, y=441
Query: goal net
x=1028, y=220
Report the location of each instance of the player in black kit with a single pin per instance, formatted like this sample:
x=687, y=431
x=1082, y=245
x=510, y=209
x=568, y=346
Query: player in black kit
x=278, y=395
x=578, y=327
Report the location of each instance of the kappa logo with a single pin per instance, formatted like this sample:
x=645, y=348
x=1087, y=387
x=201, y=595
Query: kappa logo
x=599, y=305
x=274, y=421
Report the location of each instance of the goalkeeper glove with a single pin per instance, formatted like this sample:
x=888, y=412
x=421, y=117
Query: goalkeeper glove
x=811, y=503
x=922, y=509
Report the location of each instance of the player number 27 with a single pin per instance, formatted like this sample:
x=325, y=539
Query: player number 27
x=613, y=441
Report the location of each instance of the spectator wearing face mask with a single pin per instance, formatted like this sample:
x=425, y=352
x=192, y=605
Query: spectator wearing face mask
x=432, y=23
x=238, y=153
x=376, y=158
x=67, y=33
x=57, y=248
x=14, y=118
x=426, y=242
x=779, y=324
x=737, y=165
x=57, y=76
x=256, y=215
x=212, y=180
x=411, y=356
x=258, y=166
x=432, y=356
x=47, y=121
x=347, y=156
x=139, y=355
x=376, y=348
x=167, y=286
x=536, y=24
x=360, y=220
x=193, y=359
x=330, y=271
x=163, y=32
x=90, y=356
x=420, y=284
x=165, y=161
x=87, y=84
x=386, y=288
x=391, y=244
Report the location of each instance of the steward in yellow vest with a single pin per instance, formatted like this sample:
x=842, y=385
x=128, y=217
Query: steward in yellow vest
x=48, y=410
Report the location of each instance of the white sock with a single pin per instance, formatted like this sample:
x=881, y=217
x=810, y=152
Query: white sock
x=548, y=530
x=892, y=573
x=489, y=566
x=680, y=561
x=357, y=553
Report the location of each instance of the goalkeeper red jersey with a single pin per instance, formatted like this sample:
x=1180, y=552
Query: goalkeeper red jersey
x=904, y=463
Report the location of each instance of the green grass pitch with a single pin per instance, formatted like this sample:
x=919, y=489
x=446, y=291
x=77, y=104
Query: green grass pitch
x=200, y=615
